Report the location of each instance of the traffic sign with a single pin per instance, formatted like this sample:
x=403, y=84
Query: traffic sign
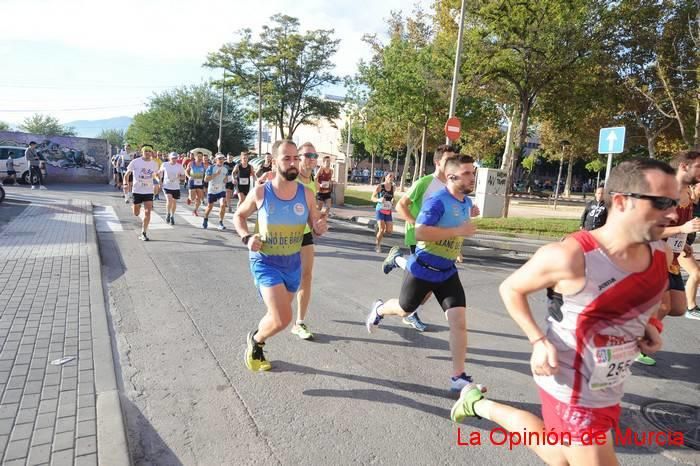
x=453, y=128
x=611, y=140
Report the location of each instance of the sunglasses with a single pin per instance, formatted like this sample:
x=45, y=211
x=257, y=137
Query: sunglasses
x=657, y=202
x=310, y=155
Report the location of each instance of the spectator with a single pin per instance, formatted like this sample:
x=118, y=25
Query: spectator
x=11, y=173
x=34, y=164
x=595, y=214
x=365, y=175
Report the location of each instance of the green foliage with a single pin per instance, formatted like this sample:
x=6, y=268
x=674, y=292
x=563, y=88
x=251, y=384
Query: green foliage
x=530, y=161
x=293, y=67
x=114, y=136
x=188, y=117
x=45, y=125
x=596, y=165
x=4, y=126
x=541, y=227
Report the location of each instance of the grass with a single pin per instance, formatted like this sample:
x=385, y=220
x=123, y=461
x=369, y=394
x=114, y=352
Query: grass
x=511, y=227
x=543, y=227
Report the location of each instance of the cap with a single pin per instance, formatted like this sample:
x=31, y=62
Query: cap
x=220, y=156
x=172, y=155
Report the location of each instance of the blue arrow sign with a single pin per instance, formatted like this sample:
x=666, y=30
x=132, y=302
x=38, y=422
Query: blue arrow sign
x=611, y=140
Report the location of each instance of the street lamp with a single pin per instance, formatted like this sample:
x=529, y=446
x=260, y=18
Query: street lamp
x=563, y=144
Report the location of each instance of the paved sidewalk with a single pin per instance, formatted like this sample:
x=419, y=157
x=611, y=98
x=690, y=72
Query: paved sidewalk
x=52, y=307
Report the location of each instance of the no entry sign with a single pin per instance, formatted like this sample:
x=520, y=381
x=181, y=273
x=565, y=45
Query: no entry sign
x=452, y=128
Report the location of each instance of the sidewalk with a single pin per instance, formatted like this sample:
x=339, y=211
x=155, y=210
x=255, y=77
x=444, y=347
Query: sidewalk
x=52, y=307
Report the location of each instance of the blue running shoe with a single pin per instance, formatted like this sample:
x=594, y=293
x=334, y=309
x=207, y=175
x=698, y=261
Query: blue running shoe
x=414, y=321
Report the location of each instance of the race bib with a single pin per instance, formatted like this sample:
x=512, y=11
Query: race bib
x=387, y=205
x=243, y=181
x=325, y=184
x=197, y=182
x=677, y=242
x=612, y=365
x=144, y=183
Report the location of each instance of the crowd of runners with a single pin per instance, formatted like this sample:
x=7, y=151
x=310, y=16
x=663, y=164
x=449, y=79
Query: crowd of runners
x=610, y=285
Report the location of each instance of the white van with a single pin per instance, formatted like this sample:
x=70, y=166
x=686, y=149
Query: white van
x=20, y=161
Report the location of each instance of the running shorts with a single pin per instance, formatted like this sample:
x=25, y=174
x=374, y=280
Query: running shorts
x=175, y=193
x=384, y=217
x=675, y=282
x=323, y=196
x=308, y=239
x=139, y=198
x=267, y=276
x=211, y=198
x=450, y=293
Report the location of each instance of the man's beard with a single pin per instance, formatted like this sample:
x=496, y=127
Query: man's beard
x=290, y=175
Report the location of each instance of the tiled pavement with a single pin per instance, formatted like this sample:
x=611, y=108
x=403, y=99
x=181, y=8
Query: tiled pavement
x=49, y=290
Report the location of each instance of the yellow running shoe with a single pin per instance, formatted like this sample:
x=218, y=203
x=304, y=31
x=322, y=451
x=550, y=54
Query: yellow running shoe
x=254, y=357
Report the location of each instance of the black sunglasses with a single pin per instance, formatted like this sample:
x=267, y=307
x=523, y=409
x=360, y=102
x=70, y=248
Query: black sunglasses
x=657, y=202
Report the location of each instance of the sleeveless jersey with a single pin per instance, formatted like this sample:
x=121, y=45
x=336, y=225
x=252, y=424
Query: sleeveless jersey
x=596, y=340
x=197, y=173
x=312, y=186
x=324, y=180
x=677, y=241
x=243, y=174
x=385, y=205
x=281, y=228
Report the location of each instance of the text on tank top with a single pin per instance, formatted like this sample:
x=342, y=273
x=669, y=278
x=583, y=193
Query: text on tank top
x=281, y=227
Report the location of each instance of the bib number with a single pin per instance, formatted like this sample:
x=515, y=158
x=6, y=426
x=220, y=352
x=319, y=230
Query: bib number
x=612, y=365
x=197, y=182
x=325, y=184
x=387, y=205
x=243, y=181
x=677, y=242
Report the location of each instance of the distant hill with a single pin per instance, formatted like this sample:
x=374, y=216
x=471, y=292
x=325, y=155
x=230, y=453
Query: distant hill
x=91, y=128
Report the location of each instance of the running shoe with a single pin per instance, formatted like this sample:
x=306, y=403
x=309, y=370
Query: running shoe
x=172, y=220
x=377, y=248
x=189, y=201
x=254, y=356
x=414, y=321
x=167, y=218
x=464, y=407
x=205, y=223
x=221, y=226
x=646, y=360
x=302, y=331
x=195, y=213
x=389, y=263
x=693, y=313
x=143, y=236
x=41, y=186
x=458, y=383
x=373, y=318
x=126, y=199
x=33, y=187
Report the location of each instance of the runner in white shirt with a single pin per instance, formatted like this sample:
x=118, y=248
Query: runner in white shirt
x=171, y=174
x=143, y=170
x=216, y=176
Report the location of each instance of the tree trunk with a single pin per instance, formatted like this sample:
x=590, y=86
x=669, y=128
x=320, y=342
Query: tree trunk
x=696, y=139
x=371, y=172
x=525, y=106
x=651, y=144
x=569, y=175
x=421, y=172
x=508, y=151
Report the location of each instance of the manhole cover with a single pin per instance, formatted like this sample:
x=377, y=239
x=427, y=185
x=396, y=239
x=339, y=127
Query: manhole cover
x=675, y=417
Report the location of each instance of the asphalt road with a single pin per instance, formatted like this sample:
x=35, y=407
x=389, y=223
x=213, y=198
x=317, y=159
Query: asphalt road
x=182, y=304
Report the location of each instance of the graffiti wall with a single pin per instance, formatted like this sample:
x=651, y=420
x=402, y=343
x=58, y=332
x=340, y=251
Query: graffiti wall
x=68, y=159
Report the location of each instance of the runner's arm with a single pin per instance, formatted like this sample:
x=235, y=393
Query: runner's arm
x=403, y=207
x=316, y=220
x=375, y=193
x=691, y=226
x=551, y=264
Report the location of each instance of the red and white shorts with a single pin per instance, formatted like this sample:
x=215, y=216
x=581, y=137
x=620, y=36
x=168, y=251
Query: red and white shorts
x=577, y=420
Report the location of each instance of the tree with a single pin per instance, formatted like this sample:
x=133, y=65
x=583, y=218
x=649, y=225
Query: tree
x=528, y=47
x=293, y=69
x=45, y=125
x=114, y=136
x=4, y=126
x=656, y=53
x=188, y=117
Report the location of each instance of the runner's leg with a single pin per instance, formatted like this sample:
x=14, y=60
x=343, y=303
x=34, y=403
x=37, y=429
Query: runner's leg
x=279, y=311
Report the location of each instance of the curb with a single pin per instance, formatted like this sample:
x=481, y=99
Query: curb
x=502, y=243
x=112, y=446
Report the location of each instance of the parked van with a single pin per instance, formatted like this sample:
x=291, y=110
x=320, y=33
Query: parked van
x=21, y=163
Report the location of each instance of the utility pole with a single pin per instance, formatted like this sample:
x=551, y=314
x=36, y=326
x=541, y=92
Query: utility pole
x=221, y=113
x=458, y=64
x=259, y=114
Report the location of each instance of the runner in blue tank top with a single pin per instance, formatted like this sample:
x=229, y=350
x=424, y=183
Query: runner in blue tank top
x=284, y=208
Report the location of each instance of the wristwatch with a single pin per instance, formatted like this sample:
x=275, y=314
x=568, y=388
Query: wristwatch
x=245, y=239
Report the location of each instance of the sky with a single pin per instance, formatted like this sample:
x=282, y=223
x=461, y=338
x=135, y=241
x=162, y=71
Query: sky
x=94, y=59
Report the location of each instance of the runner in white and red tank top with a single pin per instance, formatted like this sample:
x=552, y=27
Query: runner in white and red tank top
x=612, y=280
